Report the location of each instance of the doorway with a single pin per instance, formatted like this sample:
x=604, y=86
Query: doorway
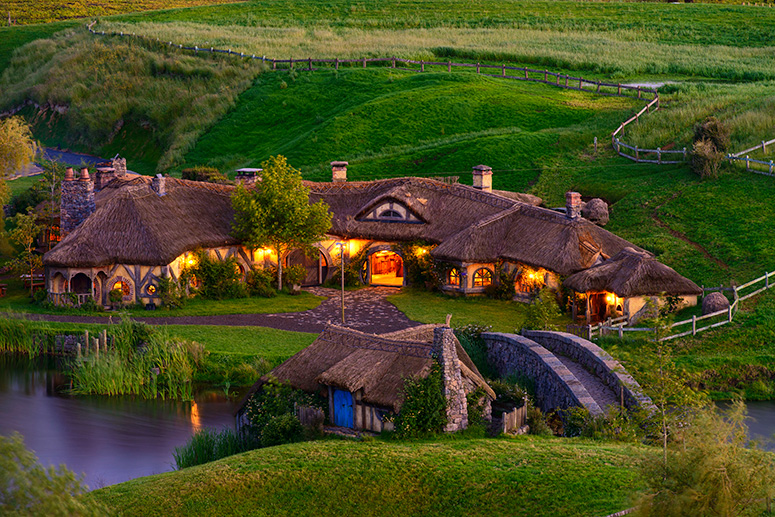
x=316, y=266
x=387, y=268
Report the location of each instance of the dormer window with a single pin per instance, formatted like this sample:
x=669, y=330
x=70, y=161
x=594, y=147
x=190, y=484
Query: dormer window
x=391, y=212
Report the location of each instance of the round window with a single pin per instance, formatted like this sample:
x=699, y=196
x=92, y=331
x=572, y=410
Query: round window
x=151, y=289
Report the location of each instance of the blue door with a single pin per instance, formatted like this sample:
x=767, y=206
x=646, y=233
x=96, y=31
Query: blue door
x=343, y=408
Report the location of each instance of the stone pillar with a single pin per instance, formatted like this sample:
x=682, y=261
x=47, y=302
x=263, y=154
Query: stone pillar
x=77, y=200
x=119, y=165
x=573, y=205
x=445, y=352
x=339, y=172
x=483, y=178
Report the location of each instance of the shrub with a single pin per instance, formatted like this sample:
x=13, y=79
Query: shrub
x=543, y=311
x=424, y=410
x=706, y=159
x=295, y=275
x=475, y=347
x=202, y=173
x=27, y=488
x=116, y=296
x=171, y=294
x=536, y=421
x=40, y=297
x=273, y=400
x=504, y=288
x=218, y=279
x=282, y=429
x=259, y=283
x=508, y=393
x=419, y=268
x=714, y=131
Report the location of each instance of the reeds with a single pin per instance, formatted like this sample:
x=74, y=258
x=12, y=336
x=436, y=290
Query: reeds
x=15, y=336
x=209, y=445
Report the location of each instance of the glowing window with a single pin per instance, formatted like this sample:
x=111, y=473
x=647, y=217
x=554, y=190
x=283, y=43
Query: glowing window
x=482, y=277
x=151, y=289
x=123, y=286
x=454, y=277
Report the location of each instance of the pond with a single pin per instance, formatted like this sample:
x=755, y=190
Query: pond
x=108, y=439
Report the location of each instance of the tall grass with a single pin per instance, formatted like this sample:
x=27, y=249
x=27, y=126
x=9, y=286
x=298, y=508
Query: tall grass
x=208, y=445
x=16, y=337
x=142, y=361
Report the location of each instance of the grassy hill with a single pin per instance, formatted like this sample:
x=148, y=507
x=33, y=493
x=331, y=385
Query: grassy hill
x=524, y=476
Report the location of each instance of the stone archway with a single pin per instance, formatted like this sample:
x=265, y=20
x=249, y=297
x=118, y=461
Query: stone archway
x=80, y=283
x=384, y=266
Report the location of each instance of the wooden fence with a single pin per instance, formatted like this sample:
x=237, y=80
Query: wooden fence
x=685, y=327
x=69, y=299
x=514, y=420
x=743, y=156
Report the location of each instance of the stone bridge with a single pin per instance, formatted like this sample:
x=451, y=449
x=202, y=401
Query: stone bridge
x=566, y=370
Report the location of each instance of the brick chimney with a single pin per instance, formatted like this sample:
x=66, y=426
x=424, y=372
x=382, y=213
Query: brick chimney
x=445, y=352
x=77, y=200
x=483, y=178
x=247, y=177
x=339, y=172
x=159, y=185
x=119, y=165
x=572, y=205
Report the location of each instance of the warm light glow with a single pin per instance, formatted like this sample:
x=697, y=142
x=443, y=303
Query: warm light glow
x=610, y=298
x=531, y=276
x=196, y=421
x=420, y=252
x=190, y=261
x=118, y=285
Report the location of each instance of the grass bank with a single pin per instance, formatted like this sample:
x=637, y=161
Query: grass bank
x=526, y=476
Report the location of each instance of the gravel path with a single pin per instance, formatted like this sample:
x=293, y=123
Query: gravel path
x=602, y=394
x=365, y=309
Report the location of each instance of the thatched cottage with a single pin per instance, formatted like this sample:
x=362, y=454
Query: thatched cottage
x=123, y=231
x=362, y=375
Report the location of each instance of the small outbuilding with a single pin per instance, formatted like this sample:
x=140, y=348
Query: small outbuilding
x=622, y=285
x=362, y=375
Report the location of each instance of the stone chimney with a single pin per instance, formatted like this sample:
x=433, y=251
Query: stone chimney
x=103, y=176
x=483, y=178
x=247, y=177
x=119, y=165
x=159, y=185
x=445, y=352
x=572, y=205
x=77, y=200
x=339, y=172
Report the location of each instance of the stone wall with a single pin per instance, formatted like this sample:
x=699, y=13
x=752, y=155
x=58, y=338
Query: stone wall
x=596, y=361
x=555, y=386
x=454, y=389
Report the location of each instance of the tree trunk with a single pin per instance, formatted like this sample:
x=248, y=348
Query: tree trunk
x=279, y=268
x=32, y=270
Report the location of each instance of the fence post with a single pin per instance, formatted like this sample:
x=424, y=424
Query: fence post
x=580, y=81
x=637, y=156
x=621, y=330
x=546, y=75
x=477, y=68
x=619, y=90
x=764, y=146
x=558, y=80
x=274, y=65
x=747, y=162
x=770, y=166
x=639, y=92
x=659, y=155
x=291, y=61
x=566, y=81
x=598, y=87
x=364, y=62
x=525, y=73
x=503, y=70
x=730, y=313
x=589, y=332
x=595, y=145
x=310, y=63
x=422, y=66
x=684, y=153
x=694, y=324
x=394, y=61
x=449, y=66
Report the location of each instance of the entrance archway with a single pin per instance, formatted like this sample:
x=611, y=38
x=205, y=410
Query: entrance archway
x=81, y=284
x=387, y=268
x=316, y=266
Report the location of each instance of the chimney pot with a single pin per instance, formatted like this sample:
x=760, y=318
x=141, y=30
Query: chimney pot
x=84, y=175
x=339, y=172
x=69, y=174
x=483, y=178
x=572, y=205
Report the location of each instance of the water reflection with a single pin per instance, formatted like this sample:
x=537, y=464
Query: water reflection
x=109, y=439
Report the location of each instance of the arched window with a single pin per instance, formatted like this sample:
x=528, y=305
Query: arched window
x=453, y=278
x=390, y=214
x=124, y=286
x=482, y=277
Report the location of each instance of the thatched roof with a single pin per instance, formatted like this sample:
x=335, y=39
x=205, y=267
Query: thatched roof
x=534, y=236
x=134, y=225
x=378, y=364
x=444, y=209
x=632, y=273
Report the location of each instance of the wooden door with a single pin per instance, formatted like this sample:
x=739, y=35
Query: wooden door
x=343, y=408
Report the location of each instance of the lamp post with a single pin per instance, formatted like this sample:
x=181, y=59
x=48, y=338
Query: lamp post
x=341, y=273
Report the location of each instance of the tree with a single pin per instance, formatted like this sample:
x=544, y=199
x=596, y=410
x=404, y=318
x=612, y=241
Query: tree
x=27, y=488
x=24, y=235
x=277, y=214
x=17, y=148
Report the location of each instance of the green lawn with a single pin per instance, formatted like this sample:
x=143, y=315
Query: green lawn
x=519, y=476
x=427, y=307
x=271, y=344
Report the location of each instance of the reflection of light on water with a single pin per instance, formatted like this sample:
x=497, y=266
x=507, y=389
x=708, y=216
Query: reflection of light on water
x=196, y=423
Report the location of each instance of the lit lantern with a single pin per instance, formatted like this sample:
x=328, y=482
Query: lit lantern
x=420, y=252
x=610, y=299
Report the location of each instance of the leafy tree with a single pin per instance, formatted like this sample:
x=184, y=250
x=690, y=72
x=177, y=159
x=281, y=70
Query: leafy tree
x=27, y=488
x=277, y=213
x=543, y=311
x=26, y=231
x=424, y=410
x=17, y=148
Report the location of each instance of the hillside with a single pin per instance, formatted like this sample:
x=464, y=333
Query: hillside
x=524, y=476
